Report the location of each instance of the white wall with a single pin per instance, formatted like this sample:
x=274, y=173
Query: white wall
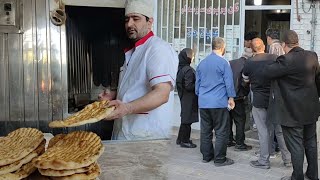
x=304, y=25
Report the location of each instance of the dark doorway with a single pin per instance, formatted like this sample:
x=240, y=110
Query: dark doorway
x=261, y=20
x=95, y=42
x=268, y=2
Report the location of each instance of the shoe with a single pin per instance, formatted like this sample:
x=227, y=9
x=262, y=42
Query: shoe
x=242, y=147
x=178, y=141
x=272, y=156
x=256, y=164
x=225, y=163
x=231, y=143
x=306, y=177
x=188, y=145
x=286, y=178
x=206, y=160
x=257, y=153
x=288, y=164
x=254, y=128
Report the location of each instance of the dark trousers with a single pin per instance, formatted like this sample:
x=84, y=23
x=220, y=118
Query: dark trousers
x=238, y=115
x=217, y=119
x=184, y=133
x=300, y=140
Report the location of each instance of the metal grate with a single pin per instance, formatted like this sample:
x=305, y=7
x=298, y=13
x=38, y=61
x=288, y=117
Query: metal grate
x=193, y=24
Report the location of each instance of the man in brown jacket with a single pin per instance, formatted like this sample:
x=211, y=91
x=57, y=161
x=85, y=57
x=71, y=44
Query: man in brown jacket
x=294, y=103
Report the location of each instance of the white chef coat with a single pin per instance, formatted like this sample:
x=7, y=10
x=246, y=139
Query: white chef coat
x=151, y=61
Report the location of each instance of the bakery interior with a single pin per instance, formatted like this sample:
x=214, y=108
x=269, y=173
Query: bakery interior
x=51, y=69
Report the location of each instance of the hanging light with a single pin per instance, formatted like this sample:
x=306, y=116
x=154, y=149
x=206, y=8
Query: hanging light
x=257, y=2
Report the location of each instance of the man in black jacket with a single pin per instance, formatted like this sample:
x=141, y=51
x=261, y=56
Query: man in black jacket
x=260, y=87
x=238, y=114
x=294, y=103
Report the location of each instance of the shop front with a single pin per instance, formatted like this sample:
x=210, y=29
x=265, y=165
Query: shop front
x=194, y=23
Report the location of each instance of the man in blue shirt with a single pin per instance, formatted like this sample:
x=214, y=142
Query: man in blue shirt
x=215, y=90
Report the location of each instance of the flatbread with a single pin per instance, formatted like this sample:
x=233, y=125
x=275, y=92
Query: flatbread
x=91, y=174
x=90, y=114
x=60, y=173
x=18, y=144
x=76, y=150
x=23, y=172
x=18, y=164
x=55, y=139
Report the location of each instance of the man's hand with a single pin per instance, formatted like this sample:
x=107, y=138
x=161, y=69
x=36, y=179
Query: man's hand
x=155, y=98
x=231, y=103
x=121, y=109
x=107, y=95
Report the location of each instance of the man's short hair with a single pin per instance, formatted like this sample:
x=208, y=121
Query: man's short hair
x=273, y=33
x=291, y=38
x=218, y=43
x=250, y=35
x=257, y=45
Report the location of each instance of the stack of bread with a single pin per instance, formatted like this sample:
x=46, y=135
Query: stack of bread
x=71, y=156
x=18, y=151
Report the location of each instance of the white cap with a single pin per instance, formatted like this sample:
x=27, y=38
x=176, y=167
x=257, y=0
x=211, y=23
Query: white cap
x=144, y=7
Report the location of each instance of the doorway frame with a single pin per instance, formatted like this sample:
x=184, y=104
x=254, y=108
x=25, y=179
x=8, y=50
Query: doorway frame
x=112, y=4
x=245, y=8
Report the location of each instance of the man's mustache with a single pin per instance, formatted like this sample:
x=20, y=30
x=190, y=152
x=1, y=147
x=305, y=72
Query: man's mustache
x=131, y=29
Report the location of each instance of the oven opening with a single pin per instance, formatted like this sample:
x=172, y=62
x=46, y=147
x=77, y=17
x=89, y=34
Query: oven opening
x=95, y=42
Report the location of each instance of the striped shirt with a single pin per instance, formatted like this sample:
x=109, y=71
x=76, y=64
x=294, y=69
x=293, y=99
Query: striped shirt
x=276, y=48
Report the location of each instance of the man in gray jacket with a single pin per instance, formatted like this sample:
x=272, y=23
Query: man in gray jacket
x=273, y=36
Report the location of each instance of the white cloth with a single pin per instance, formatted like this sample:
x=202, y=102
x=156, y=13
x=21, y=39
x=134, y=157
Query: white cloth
x=144, y=7
x=151, y=62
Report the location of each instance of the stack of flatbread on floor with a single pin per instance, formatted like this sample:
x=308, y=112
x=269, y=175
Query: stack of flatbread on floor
x=18, y=151
x=71, y=156
x=90, y=114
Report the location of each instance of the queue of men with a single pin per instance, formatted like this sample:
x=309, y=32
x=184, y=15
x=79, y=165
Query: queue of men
x=285, y=87
x=284, y=83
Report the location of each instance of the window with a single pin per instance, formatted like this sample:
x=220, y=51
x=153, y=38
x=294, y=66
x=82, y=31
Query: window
x=194, y=23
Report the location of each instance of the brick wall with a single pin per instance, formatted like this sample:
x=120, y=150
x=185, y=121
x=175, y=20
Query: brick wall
x=304, y=25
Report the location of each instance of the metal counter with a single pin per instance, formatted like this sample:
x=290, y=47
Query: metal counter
x=131, y=160
x=123, y=160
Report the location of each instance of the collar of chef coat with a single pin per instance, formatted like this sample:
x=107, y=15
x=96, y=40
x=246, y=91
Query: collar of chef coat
x=140, y=42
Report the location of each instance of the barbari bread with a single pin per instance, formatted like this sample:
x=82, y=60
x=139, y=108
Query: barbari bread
x=21, y=173
x=55, y=139
x=16, y=165
x=59, y=173
x=76, y=150
x=18, y=144
x=93, y=173
x=90, y=114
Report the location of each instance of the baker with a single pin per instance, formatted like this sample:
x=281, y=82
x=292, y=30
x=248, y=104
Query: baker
x=144, y=98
